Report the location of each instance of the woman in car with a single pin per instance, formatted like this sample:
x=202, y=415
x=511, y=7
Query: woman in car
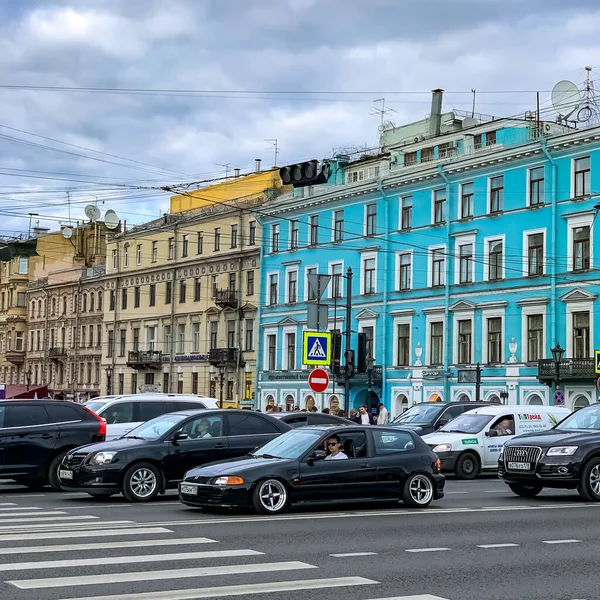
x=203, y=429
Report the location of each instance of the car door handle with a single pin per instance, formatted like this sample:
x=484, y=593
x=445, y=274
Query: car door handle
x=46, y=436
x=364, y=465
x=221, y=445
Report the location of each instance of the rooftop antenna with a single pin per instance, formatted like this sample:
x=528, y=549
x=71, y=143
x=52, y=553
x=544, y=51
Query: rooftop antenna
x=566, y=99
x=590, y=102
x=275, y=147
x=474, y=92
x=227, y=166
x=381, y=112
x=31, y=215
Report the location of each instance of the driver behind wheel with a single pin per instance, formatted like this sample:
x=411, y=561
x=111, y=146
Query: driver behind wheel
x=334, y=445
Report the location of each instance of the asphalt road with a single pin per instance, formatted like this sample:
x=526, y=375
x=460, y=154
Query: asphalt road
x=479, y=542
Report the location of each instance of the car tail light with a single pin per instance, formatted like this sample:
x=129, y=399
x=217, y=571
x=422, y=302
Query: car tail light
x=102, y=430
x=438, y=464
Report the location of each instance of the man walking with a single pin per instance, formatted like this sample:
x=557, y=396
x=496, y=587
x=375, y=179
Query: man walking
x=364, y=417
x=382, y=417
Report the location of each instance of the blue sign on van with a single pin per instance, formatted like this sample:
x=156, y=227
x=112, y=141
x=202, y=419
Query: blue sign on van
x=597, y=361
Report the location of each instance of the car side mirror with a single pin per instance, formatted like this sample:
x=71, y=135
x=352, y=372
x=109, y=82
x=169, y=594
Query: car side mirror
x=180, y=435
x=491, y=433
x=441, y=423
x=316, y=455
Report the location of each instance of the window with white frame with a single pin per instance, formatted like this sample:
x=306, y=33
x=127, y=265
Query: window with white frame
x=406, y=212
x=139, y=254
x=581, y=176
x=439, y=200
x=436, y=342
x=290, y=342
x=466, y=263
x=581, y=334
x=438, y=267
x=581, y=248
x=466, y=200
x=271, y=352
x=404, y=271
x=114, y=260
x=403, y=344
x=196, y=337
x=495, y=260
x=369, y=268
x=126, y=255
x=294, y=234
x=275, y=238
x=292, y=286
x=273, y=289
x=338, y=225
x=494, y=339
x=185, y=245
x=496, y=194
x=535, y=337
x=535, y=254
x=336, y=280
x=314, y=230
x=536, y=186
x=371, y=219
x=465, y=336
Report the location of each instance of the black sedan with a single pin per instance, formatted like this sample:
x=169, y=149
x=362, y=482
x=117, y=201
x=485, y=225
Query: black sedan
x=379, y=463
x=156, y=455
x=564, y=457
x=301, y=419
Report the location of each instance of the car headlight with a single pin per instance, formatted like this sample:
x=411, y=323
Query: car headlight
x=443, y=448
x=228, y=480
x=562, y=451
x=501, y=455
x=102, y=458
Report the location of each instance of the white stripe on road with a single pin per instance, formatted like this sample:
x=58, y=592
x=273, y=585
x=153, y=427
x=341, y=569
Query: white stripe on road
x=39, y=519
x=103, y=545
x=7, y=504
x=74, y=526
x=562, y=542
x=125, y=560
x=347, y=554
x=53, y=535
x=245, y=589
x=497, y=545
x=54, y=582
x=427, y=549
x=5, y=508
x=455, y=492
x=417, y=597
x=13, y=516
x=91, y=506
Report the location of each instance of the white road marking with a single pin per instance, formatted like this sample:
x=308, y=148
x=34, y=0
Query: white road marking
x=54, y=582
x=72, y=526
x=427, y=549
x=12, y=517
x=561, y=542
x=417, y=597
x=347, y=554
x=125, y=560
x=456, y=492
x=54, y=535
x=101, y=506
x=497, y=545
x=3, y=509
x=496, y=492
x=7, y=504
x=245, y=589
x=104, y=545
x=39, y=519
x=25, y=496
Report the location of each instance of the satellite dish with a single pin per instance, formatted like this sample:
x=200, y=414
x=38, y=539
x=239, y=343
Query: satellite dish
x=566, y=97
x=111, y=220
x=469, y=122
x=92, y=212
x=67, y=232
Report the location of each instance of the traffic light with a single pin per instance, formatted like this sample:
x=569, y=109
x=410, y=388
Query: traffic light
x=336, y=351
x=349, y=356
x=305, y=173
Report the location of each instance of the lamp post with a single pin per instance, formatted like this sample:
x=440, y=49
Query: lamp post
x=213, y=370
x=557, y=354
x=370, y=363
x=109, y=374
x=504, y=396
x=28, y=375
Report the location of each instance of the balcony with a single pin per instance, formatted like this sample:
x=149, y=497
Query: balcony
x=376, y=376
x=144, y=359
x=59, y=353
x=16, y=357
x=227, y=356
x=569, y=369
x=226, y=298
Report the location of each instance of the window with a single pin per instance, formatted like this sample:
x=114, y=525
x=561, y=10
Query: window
x=410, y=159
x=466, y=201
x=496, y=194
x=200, y=243
x=182, y=288
x=581, y=334
x=582, y=176
x=99, y=335
x=90, y=343
x=217, y=239
x=122, y=341
x=81, y=341
x=535, y=254
x=214, y=334
x=24, y=415
x=272, y=351
x=369, y=275
x=194, y=382
x=391, y=443
x=310, y=294
x=371, y=222
x=62, y=413
x=249, y=335
x=249, y=283
x=185, y=244
x=403, y=336
x=466, y=263
x=536, y=186
x=126, y=255
x=439, y=199
x=115, y=262
x=21, y=299
x=438, y=260
x=427, y=154
x=168, y=292
x=112, y=300
x=338, y=225
x=232, y=282
x=406, y=219
x=197, y=289
x=196, y=337
x=490, y=138
x=314, y=230
x=100, y=301
x=84, y=303
x=234, y=236
x=249, y=424
x=275, y=238
x=437, y=342
x=495, y=259
x=138, y=254
x=535, y=337
x=336, y=280
x=290, y=340
x=171, y=254
x=149, y=378
x=119, y=413
x=252, y=233
x=292, y=285
x=465, y=329
x=581, y=248
x=273, y=293
x=19, y=341
x=214, y=285
x=231, y=334
x=152, y=298
x=293, y=234
x=181, y=338
x=168, y=339
x=154, y=251
x=111, y=344
x=23, y=261
x=478, y=141
x=124, y=299
x=404, y=268
x=494, y=331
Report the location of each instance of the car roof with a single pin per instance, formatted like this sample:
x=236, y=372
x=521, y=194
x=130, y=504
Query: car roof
x=211, y=411
x=502, y=408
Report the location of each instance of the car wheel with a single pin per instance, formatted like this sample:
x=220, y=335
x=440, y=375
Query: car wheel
x=589, y=485
x=141, y=482
x=270, y=497
x=418, y=491
x=467, y=466
x=53, y=469
x=525, y=491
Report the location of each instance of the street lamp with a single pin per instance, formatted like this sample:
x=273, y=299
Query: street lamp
x=504, y=396
x=109, y=374
x=221, y=380
x=557, y=354
x=370, y=363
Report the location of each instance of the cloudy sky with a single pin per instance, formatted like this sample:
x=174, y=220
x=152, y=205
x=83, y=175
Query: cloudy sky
x=259, y=64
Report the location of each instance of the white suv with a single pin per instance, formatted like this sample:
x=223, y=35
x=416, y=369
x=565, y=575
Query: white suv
x=124, y=413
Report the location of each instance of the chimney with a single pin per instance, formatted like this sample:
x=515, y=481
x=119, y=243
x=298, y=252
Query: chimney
x=435, y=120
x=257, y=168
x=236, y=173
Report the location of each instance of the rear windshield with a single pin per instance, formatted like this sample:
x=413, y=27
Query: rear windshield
x=95, y=405
x=420, y=413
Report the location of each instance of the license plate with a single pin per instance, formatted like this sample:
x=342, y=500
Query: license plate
x=519, y=466
x=65, y=474
x=191, y=490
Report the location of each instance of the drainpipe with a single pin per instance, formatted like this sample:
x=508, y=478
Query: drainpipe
x=552, y=162
x=447, y=347
x=174, y=292
x=241, y=375
x=384, y=337
x=261, y=290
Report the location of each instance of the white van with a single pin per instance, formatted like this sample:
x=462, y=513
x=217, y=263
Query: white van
x=471, y=443
x=124, y=413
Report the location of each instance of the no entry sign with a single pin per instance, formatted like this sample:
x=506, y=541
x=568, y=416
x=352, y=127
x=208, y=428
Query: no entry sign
x=318, y=380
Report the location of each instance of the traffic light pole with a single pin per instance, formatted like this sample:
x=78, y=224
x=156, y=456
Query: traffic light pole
x=348, y=334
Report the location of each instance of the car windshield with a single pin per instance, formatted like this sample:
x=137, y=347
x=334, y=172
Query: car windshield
x=586, y=418
x=155, y=428
x=421, y=413
x=467, y=423
x=292, y=444
x=95, y=405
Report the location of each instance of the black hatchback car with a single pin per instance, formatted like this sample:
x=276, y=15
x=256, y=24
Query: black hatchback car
x=565, y=457
x=155, y=455
x=301, y=419
x=382, y=463
x=35, y=435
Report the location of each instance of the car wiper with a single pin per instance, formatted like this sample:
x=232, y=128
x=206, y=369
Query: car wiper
x=265, y=456
x=453, y=431
x=134, y=437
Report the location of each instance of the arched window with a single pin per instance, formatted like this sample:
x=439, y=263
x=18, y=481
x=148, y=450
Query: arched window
x=580, y=402
x=92, y=298
x=401, y=404
x=494, y=398
x=32, y=308
x=334, y=403
x=310, y=402
x=100, y=308
x=289, y=402
x=535, y=400
x=84, y=303
x=64, y=305
x=53, y=307
x=39, y=308
x=435, y=397
x=464, y=398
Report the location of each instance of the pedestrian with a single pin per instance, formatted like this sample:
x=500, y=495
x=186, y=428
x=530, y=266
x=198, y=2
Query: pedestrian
x=270, y=409
x=353, y=413
x=364, y=417
x=382, y=417
x=340, y=413
x=314, y=409
x=325, y=411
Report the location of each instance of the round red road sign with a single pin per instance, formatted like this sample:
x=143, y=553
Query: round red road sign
x=318, y=380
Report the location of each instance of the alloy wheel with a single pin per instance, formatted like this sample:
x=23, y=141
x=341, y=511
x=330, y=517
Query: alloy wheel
x=595, y=480
x=273, y=495
x=421, y=489
x=143, y=482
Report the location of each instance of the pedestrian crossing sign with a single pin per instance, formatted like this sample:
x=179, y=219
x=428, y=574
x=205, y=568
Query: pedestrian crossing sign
x=316, y=348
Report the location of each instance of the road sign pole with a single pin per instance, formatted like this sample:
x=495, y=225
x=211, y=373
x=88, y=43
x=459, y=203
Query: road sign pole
x=348, y=333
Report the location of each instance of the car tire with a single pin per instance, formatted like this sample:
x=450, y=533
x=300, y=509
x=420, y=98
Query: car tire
x=525, y=491
x=141, y=482
x=53, y=478
x=589, y=484
x=270, y=497
x=418, y=491
x=467, y=466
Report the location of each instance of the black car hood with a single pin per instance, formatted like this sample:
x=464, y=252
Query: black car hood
x=554, y=437
x=236, y=466
x=416, y=427
x=118, y=445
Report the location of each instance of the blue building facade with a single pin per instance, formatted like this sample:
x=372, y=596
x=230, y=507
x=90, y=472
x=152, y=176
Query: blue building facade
x=469, y=242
